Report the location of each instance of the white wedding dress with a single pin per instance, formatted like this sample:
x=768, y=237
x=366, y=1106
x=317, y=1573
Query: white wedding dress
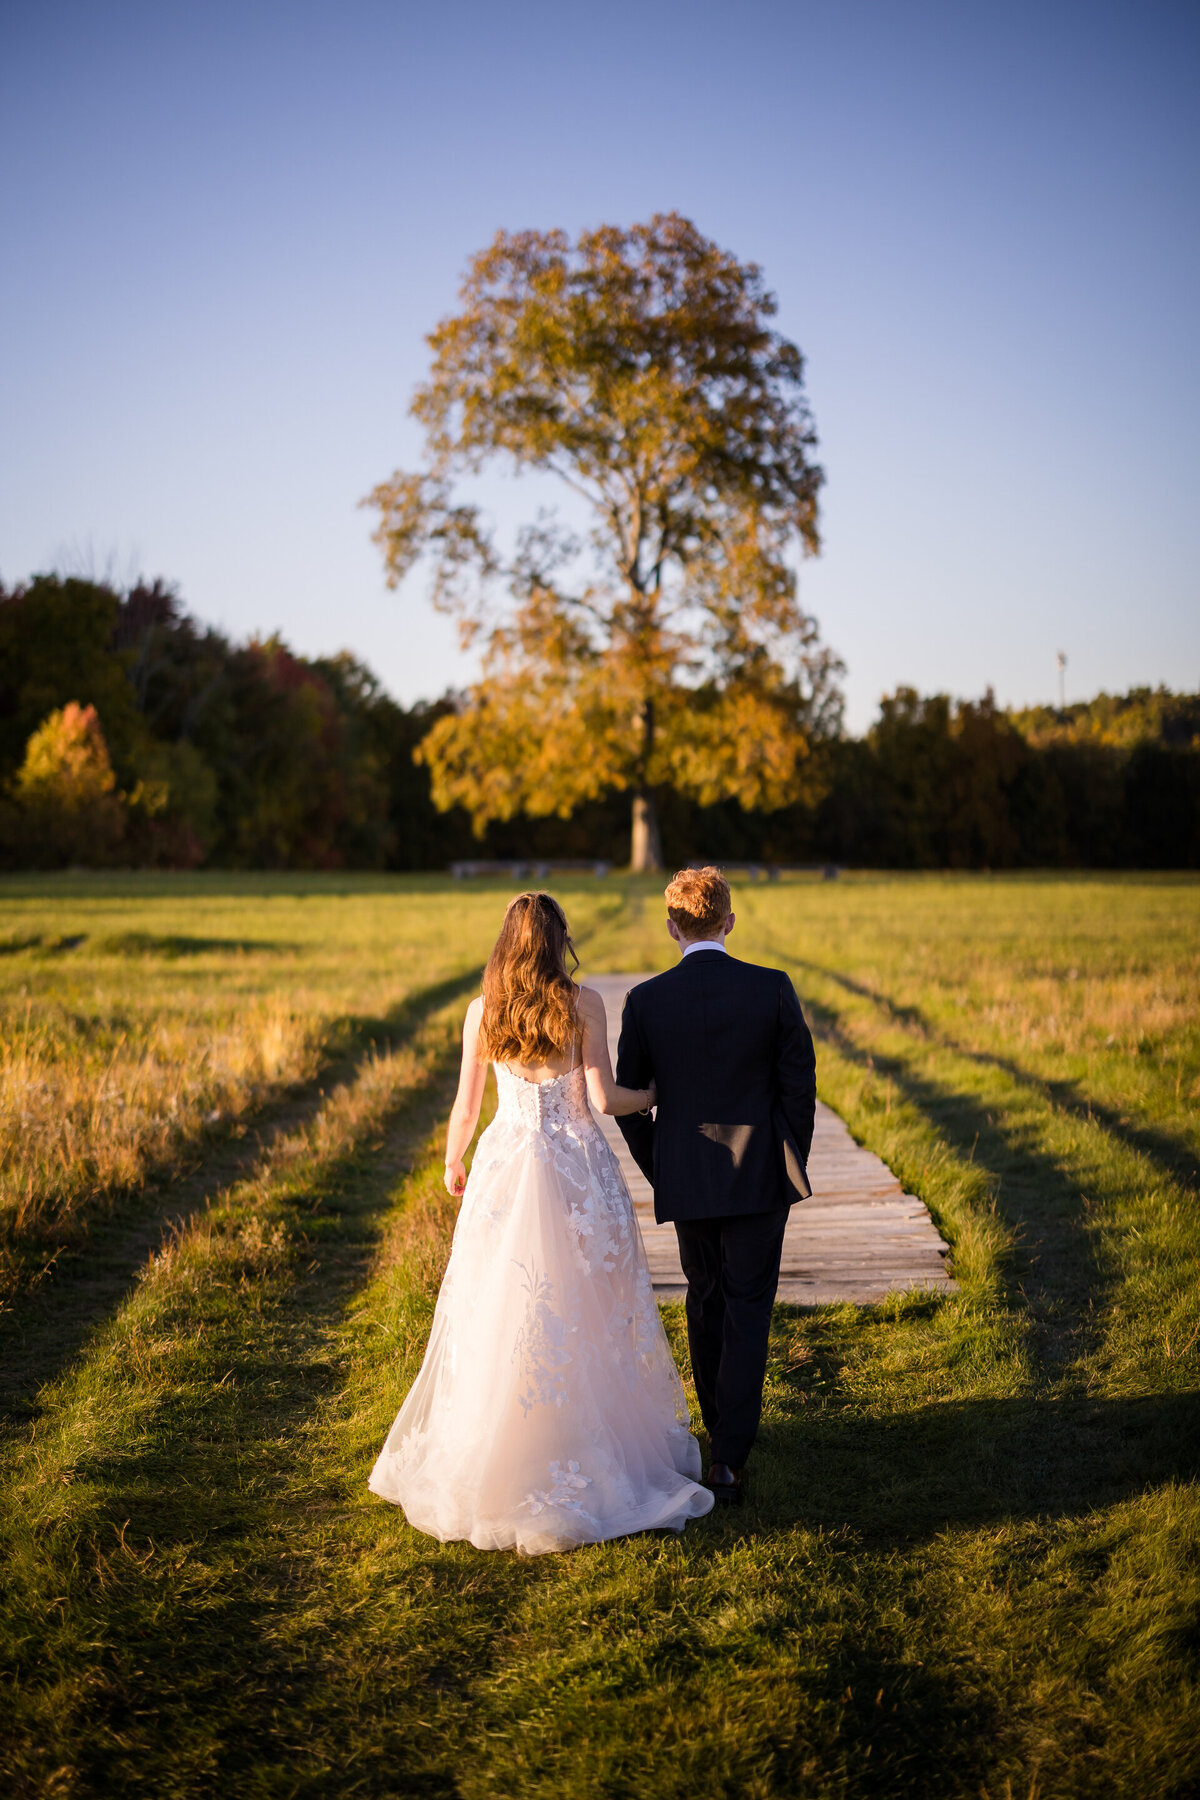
x=548, y=1411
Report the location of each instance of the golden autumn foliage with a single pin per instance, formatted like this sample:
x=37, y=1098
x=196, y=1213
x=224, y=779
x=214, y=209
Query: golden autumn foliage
x=639, y=368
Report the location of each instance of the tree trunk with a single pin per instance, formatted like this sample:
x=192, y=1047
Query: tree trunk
x=645, y=857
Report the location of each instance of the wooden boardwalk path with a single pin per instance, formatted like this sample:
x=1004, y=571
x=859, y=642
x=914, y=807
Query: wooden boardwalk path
x=859, y=1237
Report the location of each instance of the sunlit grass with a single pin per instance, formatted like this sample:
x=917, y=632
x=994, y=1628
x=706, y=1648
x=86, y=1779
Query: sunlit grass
x=970, y=1564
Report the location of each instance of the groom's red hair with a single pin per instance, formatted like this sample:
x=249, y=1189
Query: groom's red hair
x=698, y=901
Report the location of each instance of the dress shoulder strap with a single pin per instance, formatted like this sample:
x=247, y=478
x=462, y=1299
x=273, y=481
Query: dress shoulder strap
x=576, y=1035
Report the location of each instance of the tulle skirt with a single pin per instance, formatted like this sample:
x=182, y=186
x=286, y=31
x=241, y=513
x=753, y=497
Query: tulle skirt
x=548, y=1411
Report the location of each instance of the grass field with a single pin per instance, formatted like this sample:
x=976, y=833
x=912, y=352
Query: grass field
x=970, y=1564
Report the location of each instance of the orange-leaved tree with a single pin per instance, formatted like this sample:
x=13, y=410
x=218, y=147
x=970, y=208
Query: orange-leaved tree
x=67, y=792
x=639, y=367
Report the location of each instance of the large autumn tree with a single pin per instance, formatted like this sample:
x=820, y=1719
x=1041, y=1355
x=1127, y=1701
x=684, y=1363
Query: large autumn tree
x=640, y=368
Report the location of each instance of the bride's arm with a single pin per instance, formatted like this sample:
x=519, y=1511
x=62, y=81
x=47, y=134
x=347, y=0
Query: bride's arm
x=606, y=1096
x=464, y=1114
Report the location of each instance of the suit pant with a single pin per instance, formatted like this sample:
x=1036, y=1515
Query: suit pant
x=732, y=1270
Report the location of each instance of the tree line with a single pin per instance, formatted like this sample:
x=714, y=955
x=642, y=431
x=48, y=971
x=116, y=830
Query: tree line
x=209, y=752
x=132, y=735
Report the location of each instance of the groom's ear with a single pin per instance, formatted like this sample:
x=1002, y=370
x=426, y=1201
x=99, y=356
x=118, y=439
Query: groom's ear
x=673, y=930
x=730, y=922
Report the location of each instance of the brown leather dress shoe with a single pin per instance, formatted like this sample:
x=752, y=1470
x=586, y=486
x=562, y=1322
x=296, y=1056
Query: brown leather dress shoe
x=726, y=1483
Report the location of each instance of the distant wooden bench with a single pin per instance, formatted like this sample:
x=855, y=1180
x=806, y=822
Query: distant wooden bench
x=534, y=869
x=768, y=871
x=537, y=868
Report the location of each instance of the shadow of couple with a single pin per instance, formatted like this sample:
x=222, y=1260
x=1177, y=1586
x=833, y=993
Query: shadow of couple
x=899, y=1478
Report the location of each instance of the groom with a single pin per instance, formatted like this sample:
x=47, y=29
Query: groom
x=732, y=1058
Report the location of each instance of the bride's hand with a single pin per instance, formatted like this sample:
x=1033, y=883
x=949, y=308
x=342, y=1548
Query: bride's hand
x=455, y=1178
x=651, y=1097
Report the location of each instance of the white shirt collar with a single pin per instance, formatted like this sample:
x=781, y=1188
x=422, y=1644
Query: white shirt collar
x=705, y=944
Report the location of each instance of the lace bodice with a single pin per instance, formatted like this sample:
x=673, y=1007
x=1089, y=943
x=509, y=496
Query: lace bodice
x=555, y=1105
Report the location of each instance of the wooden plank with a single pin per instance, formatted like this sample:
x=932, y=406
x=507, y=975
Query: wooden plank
x=859, y=1238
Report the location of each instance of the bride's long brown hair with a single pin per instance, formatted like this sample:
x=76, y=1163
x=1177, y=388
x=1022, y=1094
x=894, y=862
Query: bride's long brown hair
x=529, y=998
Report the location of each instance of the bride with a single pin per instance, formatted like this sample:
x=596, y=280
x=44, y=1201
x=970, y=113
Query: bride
x=548, y=1411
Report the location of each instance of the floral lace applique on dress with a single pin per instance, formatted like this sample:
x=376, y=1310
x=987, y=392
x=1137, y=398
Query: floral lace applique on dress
x=565, y=1490
x=541, y=1350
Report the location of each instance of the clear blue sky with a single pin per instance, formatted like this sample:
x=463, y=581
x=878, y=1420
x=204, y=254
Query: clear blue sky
x=226, y=228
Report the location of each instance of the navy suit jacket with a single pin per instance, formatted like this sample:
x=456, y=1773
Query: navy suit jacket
x=733, y=1059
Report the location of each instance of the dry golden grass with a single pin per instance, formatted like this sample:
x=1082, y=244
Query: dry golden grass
x=84, y=1115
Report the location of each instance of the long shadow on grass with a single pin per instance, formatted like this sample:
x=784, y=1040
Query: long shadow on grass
x=883, y=1492
x=171, y=947
x=146, y=943
x=1171, y=1159
x=1059, y=1277
x=45, y=1329
x=899, y=1480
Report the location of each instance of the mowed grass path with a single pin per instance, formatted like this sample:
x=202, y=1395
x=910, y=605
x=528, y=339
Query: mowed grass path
x=971, y=1563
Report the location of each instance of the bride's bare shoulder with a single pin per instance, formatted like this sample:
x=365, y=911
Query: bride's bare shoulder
x=473, y=1031
x=591, y=1005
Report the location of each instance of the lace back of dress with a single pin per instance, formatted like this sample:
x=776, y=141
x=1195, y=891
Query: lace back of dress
x=543, y=1105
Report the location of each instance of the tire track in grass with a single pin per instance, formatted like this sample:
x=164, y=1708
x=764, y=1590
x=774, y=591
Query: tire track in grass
x=1094, y=1219
x=148, y=1489
x=1043, y=1244
x=1168, y=1158
x=42, y=1330
x=1054, y=1276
